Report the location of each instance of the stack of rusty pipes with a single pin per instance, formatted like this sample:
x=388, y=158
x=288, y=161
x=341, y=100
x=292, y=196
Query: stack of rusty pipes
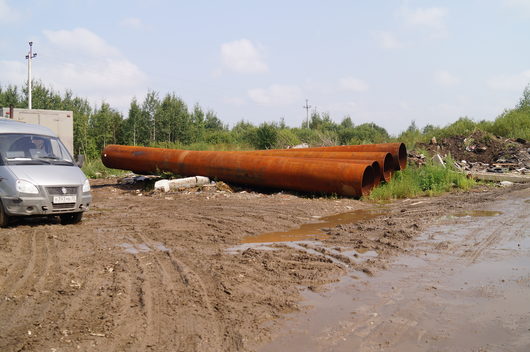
x=320, y=170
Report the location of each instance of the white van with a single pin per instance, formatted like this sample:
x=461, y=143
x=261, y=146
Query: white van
x=38, y=177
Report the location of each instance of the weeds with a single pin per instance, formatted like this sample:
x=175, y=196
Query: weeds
x=95, y=169
x=429, y=180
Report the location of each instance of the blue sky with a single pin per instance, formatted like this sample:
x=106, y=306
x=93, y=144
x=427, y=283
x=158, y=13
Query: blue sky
x=388, y=62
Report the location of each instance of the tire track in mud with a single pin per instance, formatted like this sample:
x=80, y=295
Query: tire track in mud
x=25, y=255
x=168, y=278
x=496, y=234
x=128, y=306
x=28, y=286
x=148, y=315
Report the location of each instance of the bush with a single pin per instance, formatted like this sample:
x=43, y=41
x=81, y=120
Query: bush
x=461, y=127
x=513, y=124
x=427, y=180
x=218, y=137
x=266, y=136
x=316, y=138
x=286, y=138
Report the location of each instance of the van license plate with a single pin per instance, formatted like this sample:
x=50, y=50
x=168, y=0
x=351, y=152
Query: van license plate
x=64, y=199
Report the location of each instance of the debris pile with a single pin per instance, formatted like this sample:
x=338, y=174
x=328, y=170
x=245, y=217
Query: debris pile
x=479, y=153
x=482, y=150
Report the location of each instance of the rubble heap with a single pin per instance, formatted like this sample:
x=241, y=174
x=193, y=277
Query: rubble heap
x=480, y=151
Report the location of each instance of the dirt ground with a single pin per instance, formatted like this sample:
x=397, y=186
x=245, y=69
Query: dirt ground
x=170, y=272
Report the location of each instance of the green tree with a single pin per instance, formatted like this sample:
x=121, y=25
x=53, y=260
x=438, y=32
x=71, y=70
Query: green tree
x=149, y=108
x=11, y=97
x=105, y=126
x=266, y=136
x=347, y=122
x=212, y=122
x=524, y=102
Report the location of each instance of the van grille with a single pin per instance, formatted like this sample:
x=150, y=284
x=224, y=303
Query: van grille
x=59, y=190
x=63, y=206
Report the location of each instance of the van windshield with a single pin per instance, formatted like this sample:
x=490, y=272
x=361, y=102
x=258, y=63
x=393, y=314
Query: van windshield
x=32, y=149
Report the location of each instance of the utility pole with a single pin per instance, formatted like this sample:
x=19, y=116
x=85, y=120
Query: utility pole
x=307, y=107
x=31, y=55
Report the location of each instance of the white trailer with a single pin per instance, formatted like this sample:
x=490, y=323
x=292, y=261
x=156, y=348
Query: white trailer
x=59, y=121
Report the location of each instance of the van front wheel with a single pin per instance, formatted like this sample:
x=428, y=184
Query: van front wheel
x=72, y=218
x=4, y=218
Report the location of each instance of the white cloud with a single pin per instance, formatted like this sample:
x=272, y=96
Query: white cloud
x=94, y=70
x=515, y=82
x=7, y=13
x=521, y=6
x=275, y=95
x=432, y=17
x=132, y=23
x=13, y=72
x=445, y=78
x=353, y=84
x=82, y=42
x=243, y=56
x=111, y=79
x=234, y=101
x=387, y=40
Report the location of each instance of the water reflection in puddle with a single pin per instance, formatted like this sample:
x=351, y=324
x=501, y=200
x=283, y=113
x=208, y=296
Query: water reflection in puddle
x=477, y=213
x=142, y=247
x=338, y=256
x=313, y=231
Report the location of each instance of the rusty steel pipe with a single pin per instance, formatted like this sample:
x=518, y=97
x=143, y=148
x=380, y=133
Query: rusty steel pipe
x=330, y=177
x=385, y=160
x=374, y=164
x=398, y=151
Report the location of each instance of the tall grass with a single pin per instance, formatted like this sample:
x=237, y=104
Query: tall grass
x=95, y=169
x=426, y=180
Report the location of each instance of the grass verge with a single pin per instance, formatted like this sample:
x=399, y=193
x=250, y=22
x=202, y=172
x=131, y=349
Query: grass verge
x=428, y=180
x=96, y=169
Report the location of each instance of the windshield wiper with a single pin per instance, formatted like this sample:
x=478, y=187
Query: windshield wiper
x=63, y=162
x=55, y=160
x=28, y=161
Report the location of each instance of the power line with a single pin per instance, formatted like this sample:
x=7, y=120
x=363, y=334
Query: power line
x=307, y=107
x=31, y=55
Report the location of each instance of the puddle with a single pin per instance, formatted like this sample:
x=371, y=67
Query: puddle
x=343, y=258
x=474, y=297
x=161, y=247
x=313, y=231
x=477, y=213
x=142, y=247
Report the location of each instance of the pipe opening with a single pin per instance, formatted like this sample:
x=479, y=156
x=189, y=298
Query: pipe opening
x=402, y=156
x=367, y=181
x=378, y=175
x=388, y=167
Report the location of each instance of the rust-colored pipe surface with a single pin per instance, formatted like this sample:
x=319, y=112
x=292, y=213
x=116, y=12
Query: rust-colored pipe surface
x=374, y=164
x=330, y=177
x=385, y=160
x=398, y=151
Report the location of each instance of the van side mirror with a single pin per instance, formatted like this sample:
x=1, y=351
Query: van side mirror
x=80, y=160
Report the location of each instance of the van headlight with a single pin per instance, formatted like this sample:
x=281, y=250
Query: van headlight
x=86, y=186
x=24, y=186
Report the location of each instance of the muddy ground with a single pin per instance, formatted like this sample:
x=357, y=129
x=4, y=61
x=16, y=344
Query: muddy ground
x=170, y=272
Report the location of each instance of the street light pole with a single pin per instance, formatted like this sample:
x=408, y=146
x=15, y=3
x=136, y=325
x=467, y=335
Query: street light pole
x=29, y=57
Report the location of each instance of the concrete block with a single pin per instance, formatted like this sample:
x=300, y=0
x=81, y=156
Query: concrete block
x=162, y=185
